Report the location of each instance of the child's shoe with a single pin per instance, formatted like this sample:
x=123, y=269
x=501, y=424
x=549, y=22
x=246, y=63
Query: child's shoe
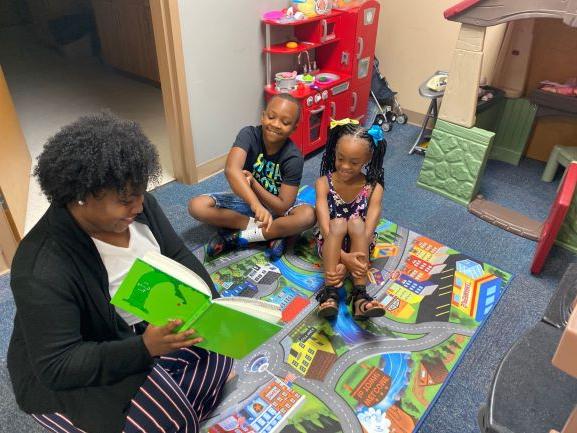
x=224, y=241
x=276, y=248
x=361, y=307
x=328, y=299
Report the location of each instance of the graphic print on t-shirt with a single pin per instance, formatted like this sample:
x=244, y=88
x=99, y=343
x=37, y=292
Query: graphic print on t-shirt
x=267, y=173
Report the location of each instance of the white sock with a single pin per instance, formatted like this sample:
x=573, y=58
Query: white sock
x=253, y=235
x=252, y=224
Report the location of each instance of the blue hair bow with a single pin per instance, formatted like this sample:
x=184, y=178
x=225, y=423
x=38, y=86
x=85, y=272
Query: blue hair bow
x=376, y=132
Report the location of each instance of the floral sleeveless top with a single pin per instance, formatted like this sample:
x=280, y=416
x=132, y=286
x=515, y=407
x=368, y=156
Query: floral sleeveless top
x=338, y=208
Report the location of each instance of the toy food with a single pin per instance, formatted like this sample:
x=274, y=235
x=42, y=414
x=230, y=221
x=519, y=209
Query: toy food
x=312, y=8
x=292, y=45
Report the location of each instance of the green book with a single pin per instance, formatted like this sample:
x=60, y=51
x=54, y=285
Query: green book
x=158, y=289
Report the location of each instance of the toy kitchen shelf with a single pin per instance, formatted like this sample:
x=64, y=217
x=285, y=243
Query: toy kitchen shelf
x=305, y=91
x=302, y=46
x=341, y=44
x=292, y=22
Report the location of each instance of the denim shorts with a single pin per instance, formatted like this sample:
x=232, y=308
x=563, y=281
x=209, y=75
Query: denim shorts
x=229, y=200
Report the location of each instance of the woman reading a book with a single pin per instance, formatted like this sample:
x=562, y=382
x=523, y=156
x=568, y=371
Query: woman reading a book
x=76, y=363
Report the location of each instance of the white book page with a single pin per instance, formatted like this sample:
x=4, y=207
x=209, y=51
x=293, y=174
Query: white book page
x=177, y=270
x=264, y=310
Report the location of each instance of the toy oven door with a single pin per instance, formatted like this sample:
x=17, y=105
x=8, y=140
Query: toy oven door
x=315, y=132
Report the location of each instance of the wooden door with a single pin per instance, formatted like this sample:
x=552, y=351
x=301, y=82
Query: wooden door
x=8, y=239
x=126, y=36
x=15, y=165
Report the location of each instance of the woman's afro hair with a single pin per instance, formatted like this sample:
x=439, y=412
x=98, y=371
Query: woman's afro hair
x=96, y=153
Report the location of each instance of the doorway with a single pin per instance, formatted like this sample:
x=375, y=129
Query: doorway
x=66, y=58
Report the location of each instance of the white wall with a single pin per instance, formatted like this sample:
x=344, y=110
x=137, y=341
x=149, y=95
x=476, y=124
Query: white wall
x=224, y=66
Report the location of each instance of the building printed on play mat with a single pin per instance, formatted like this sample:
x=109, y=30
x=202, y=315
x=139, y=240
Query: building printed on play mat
x=475, y=291
x=401, y=422
x=432, y=372
x=429, y=250
x=426, y=259
x=312, y=354
x=290, y=302
x=264, y=274
x=266, y=412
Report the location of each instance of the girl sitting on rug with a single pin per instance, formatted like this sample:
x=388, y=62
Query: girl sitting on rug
x=348, y=208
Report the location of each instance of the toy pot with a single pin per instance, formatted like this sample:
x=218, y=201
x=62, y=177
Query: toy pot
x=286, y=81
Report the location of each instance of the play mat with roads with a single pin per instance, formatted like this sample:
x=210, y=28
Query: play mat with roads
x=344, y=376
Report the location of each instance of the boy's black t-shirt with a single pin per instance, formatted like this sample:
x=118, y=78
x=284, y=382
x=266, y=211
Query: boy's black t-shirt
x=286, y=166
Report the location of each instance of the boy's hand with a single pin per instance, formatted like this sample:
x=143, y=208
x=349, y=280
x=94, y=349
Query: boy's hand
x=356, y=263
x=263, y=216
x=249, y=178
x=160, y=340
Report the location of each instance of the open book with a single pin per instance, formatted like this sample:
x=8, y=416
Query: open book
x=158, y=289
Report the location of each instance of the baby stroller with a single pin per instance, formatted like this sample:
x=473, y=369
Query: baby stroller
x=383, y=105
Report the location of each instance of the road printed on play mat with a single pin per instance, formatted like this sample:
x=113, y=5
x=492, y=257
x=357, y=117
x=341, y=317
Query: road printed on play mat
x=376, y=376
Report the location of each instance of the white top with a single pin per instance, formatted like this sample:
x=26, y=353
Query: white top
x=118, y=260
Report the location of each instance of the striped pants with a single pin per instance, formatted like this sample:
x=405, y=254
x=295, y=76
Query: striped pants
x=178, y=394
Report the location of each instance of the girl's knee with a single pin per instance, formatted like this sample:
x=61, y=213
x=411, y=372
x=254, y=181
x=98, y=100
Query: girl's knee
x=338, y=227
x=356, y=226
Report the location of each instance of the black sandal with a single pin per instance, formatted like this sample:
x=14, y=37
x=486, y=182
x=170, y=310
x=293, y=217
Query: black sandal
x=359, y=299
x=329, y=295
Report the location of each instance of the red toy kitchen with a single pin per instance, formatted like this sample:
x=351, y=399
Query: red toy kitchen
x=331, y=59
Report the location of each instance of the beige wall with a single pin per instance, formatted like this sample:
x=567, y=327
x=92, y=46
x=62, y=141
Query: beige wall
x=415, y=40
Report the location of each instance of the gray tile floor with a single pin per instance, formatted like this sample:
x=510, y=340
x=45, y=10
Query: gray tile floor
x=50, y=90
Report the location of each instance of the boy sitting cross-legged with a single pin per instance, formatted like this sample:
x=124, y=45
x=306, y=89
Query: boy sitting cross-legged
x=264, y=170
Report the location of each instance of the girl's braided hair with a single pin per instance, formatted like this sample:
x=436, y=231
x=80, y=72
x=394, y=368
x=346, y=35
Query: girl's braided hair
x=375, y=172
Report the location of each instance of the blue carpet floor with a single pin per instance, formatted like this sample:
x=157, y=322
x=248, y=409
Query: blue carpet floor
x=524, y=301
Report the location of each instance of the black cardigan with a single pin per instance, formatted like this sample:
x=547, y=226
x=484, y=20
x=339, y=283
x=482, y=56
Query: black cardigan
x=70, y=352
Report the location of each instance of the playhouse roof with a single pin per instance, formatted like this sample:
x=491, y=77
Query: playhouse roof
x=485, y=13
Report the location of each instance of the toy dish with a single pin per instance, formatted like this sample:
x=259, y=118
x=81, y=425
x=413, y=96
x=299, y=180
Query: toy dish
x=307, y=79
x=326, y=77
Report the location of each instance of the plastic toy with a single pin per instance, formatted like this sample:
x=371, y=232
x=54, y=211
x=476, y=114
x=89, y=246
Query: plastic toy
x=438, y=82
x=433, y=88
x=560, y=155
x=286, y=81
x=337, y=49
x=385, y=101
x=307, y=79
x=284, y=16
x=312, y=8
x=521, y=225
x=569, y=88
x=457, y=116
